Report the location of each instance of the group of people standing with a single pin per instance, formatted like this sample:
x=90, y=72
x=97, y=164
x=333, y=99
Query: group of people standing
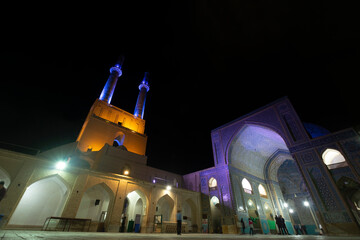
x=280, y=222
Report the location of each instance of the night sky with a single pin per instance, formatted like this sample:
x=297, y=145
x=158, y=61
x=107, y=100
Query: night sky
x=210, y=62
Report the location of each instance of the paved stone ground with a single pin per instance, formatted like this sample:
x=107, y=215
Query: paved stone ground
x=37, y=235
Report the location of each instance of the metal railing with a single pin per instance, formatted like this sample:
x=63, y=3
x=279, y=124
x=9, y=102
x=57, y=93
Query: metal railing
x=66, y=224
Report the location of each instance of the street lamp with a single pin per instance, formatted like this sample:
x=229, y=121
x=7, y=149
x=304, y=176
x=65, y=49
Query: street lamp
x=168, y=187
x=60, y=165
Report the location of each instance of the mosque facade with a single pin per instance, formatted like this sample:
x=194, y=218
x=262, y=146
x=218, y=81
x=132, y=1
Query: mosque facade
x=266, y=164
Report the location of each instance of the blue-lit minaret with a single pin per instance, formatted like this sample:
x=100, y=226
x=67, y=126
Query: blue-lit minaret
x=140, y=103
x=108, y=91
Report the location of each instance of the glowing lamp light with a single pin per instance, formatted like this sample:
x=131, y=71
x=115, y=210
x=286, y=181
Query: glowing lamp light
x=306, y=204
x=286, y=205
x=126, y=172
x=250, y=203
x=266, y=207
x=60, y=165
x=154, y=181
x=168, y=187
x=291, y=210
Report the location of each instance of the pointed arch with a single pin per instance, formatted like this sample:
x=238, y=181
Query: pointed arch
x=333, y=158
x=137, y=204
x=246, y=186
x=95, y=202
x=165, y=207
x=43, y=198
x=212, y=183
x=262, y=191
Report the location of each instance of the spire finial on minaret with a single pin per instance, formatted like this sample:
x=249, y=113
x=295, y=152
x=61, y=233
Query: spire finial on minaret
x=115, y=73
x=140, y=103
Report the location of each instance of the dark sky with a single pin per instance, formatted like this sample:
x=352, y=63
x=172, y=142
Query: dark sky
x=209, y=63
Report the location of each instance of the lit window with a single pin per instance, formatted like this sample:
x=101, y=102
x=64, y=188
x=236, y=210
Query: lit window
x=214, y=200
x=212, y=183
x=333, y=158
x=246, y=186
x=262, y=191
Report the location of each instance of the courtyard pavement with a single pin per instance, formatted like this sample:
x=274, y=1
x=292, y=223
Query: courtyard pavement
x=37, y=235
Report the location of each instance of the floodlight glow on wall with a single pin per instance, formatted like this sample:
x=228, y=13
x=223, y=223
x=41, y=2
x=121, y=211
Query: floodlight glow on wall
x=60, y=165
x=126, y=172
x=286, y=205
x=306, y=203
x=291, y=210
x=168, y=187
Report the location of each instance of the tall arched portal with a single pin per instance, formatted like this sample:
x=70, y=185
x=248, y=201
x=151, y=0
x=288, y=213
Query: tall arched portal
x=42, y=199
x=261, y=156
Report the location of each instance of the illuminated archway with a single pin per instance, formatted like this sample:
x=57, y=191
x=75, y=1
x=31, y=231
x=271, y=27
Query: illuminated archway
x=246, y=186
x=165, y=207
x=262, y=191
x=333, y=158
x=42, y=199
x=95, y=203
x=212, y=183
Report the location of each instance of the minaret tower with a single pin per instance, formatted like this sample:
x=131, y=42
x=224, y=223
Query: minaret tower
x=140, y=103
x=108, y=91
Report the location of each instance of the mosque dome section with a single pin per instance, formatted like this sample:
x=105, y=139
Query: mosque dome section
x=315, y=130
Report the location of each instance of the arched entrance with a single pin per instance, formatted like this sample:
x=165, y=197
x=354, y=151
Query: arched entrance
x=215, y=209
x=134, y=212
x=95, y=203
x=165, y=207
x=261, y=154
x=42, y=199
x=350, y=189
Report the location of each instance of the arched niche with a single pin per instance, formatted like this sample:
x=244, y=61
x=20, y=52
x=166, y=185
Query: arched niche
x=333, y=159
x=42, y=199
x=212, y=183
x=262, y=191
x=246, y=186
x=216, y=214
x=119, y=139
x=189, y=213
x=136, y=204
x=165, y=207
x=95, y=202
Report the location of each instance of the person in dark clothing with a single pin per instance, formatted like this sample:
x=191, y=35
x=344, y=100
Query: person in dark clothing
x=242, y=225
x=179, y=220
x=2, y=190
x=283, y=225
x=277, y=221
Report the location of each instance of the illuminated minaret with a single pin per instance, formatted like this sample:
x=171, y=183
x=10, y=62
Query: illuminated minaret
x=140, y=103
x=108, y=91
